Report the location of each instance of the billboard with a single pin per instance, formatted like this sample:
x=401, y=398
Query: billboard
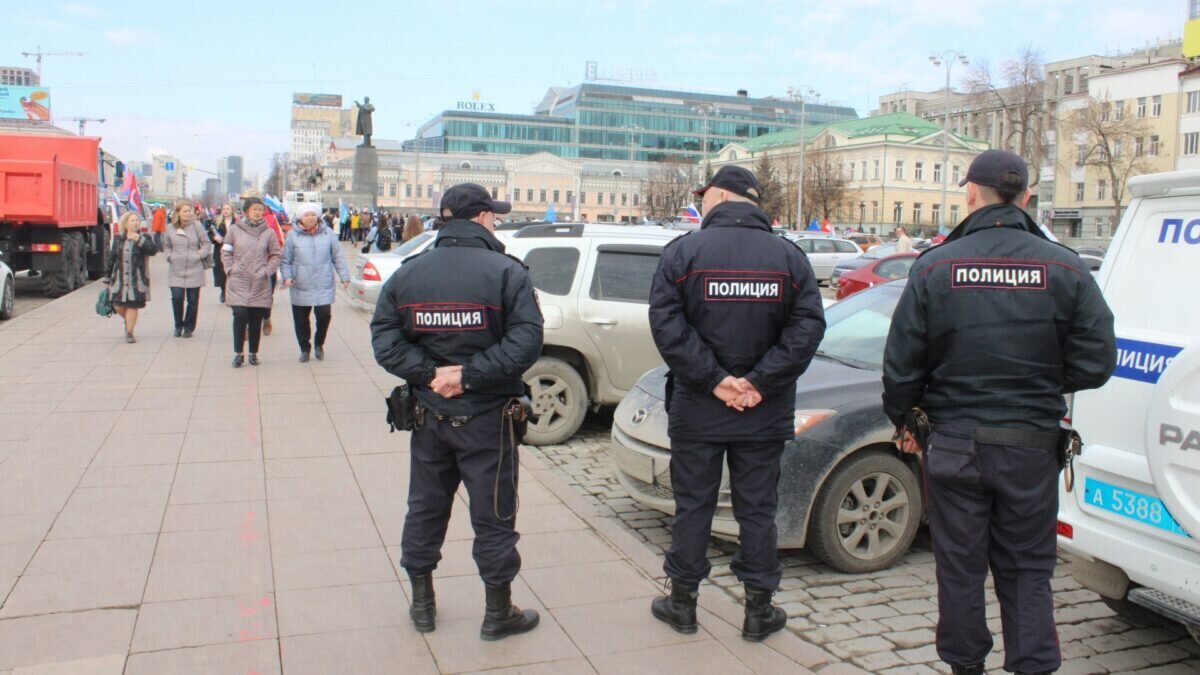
x=24, y=103
x=325, y=100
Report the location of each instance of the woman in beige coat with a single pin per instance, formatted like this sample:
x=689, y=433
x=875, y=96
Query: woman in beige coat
x=251, y=257
x=189, y=254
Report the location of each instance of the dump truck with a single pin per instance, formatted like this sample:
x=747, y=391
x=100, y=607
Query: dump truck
x=52, y=223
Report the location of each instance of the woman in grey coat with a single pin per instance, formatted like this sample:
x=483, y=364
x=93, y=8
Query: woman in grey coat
x=311, y=256
x=251, y=257
x=189, y=254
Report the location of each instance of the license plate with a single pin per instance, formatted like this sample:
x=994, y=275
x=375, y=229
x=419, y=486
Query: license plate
x=1130, y=504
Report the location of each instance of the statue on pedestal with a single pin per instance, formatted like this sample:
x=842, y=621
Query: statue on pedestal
x=364, y=127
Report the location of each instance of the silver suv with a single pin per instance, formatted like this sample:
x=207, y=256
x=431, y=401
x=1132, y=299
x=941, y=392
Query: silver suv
x=593, y=284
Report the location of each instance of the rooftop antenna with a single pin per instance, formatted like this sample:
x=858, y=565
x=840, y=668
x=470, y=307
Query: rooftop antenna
x=39, y=54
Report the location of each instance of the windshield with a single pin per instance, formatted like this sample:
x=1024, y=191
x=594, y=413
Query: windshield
x=881, y=251
x=857, y=327
x=413, y=244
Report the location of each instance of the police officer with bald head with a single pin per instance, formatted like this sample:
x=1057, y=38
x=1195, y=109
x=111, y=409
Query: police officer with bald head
x=995, y=325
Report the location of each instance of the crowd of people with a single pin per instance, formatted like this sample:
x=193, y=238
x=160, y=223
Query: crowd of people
x=248, y=249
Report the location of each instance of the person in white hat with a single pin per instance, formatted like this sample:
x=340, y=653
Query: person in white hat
x=311, y=258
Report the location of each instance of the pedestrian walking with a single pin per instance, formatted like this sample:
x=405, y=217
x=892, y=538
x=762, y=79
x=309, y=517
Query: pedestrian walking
x=903, y=241
x=273, y=223
x=158, y=225
x=355, y=223
x=127, y=276
x=736, y=314
x=994, y=327
x=311, y=257
x=189, y=254
x=216, y=235
x=251, y=255
x=460, y=323
x=412, y=227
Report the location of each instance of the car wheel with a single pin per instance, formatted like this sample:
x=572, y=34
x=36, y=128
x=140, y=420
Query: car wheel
x=8, y=300
x=559, y=399
x=866, y=514
x=1132, y=613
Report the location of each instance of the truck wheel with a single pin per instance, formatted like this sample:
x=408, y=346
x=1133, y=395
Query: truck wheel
x=81, y=258
x=866, y=514
x=104, y=236
x=8, y=300
x=58, y=284
x=559, y=399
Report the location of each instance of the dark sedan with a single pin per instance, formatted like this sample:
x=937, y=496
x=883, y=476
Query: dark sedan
x=844, y=491
x=877, y=253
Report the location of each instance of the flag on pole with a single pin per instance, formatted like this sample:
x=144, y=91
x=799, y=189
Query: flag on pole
x=551, y=216
x=343, y=212
x=274, y=204
x=813, y=226
x=691, y=214
x=135, y=194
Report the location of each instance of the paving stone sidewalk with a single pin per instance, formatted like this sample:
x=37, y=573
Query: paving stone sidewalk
x=161, y=513
x=882, y=622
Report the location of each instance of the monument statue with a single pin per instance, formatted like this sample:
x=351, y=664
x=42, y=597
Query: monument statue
x=364, y=127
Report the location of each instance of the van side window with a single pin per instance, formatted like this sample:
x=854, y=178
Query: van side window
x=623, y=277
x=552, y=270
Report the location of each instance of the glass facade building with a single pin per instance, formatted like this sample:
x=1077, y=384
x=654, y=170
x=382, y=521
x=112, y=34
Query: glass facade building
x=603, y=121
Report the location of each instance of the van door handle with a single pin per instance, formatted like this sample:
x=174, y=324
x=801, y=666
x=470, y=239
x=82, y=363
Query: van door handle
x=602, y=321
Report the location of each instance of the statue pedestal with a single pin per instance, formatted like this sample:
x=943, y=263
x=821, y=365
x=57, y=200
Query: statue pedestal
x=365, y=181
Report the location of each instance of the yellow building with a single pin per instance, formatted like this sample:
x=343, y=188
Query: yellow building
x=893, y=165
x=315, y=119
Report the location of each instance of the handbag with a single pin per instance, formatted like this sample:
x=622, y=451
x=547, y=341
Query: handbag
x=207, y=260
x=104, y=306
x=366, y=248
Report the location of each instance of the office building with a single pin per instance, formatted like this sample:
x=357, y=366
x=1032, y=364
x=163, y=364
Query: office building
x=20, y=77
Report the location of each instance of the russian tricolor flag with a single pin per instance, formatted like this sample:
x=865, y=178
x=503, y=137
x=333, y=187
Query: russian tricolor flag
x=690, y=214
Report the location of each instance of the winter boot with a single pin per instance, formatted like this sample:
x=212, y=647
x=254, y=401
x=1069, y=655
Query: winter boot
x=678, y=609
x=501, y=618
x=975, y=669
x=762, y=618
x=424, y=605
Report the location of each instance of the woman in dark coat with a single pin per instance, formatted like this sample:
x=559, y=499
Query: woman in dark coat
x=217, y=231
x=127, y=276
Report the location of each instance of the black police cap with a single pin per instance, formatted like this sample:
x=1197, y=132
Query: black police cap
x=468, y=200
x=735, y=179
x=991, y=167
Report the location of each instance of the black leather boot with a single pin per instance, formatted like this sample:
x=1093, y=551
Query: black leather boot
x=424, y=605
x=976, y=669
x=762, y=618
x=501, y=619
x=678, y=610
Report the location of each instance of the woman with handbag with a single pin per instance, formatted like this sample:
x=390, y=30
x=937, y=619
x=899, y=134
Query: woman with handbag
x=251, y=257
x=216, y=234
x=189, y=254
x=127, y=277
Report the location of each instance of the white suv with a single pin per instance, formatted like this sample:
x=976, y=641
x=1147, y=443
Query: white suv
x=1133, y=519
x=593, y=285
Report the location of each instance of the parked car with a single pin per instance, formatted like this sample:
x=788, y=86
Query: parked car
x=845, y=493
x=866, y=241
x=877, y=253
x=1092, y=257
x=593, y=284
x=8, y=292
x=824, y=253
x=370, y=270
x=874, y=273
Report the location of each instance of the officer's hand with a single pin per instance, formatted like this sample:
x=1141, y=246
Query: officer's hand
x=447, y=381
x=908, y=444
x=729, y=392
x=750, y=396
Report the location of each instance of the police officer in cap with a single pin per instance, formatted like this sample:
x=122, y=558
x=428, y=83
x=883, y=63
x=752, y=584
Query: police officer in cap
x=460, y=324
x=736, y=315
x=994, y=327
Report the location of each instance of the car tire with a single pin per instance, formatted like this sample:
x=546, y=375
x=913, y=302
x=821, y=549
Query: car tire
x=559, y=399
x=1132, y=613
x=866, y=513
x=8, y=300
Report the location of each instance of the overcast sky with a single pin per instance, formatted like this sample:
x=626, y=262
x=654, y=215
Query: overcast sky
x=203, y=80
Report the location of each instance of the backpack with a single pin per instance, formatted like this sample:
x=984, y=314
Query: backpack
x=383, y=239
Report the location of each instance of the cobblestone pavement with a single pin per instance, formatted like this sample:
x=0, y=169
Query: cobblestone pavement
x=883, y=622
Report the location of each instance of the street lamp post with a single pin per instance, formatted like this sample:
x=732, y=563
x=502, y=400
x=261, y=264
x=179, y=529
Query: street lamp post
x=798, y=93
x=948, y=57
x=862, y=210
x=705, y=111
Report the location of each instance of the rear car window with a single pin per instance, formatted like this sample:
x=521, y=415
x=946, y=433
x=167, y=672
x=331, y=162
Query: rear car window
x=552, y=270
x=845, y=247
x=623, y=277
x=823, y=246
x=894, y=269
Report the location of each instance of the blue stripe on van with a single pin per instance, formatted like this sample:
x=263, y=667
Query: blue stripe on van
x=1143, y=361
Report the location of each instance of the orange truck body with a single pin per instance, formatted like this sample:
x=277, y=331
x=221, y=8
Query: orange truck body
x=49, y=181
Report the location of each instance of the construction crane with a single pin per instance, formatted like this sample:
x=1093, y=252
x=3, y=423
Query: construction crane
x=82, y=121
x=39, y=54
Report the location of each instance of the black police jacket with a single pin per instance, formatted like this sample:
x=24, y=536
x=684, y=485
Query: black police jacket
x=734, y=299
x=463, y=302
x=995, y=326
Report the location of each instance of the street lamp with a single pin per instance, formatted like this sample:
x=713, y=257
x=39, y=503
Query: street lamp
x=862, y=211
x=705, y=111
x=948, y=57
x=798, y=93
x=631, y=128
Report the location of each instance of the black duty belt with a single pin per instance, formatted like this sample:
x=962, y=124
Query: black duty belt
x=452, y=420
x=1046, y=440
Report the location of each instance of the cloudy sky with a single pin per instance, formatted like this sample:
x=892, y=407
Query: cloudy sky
x=203, y=80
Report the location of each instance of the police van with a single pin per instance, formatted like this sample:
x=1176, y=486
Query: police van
x=1132, y=519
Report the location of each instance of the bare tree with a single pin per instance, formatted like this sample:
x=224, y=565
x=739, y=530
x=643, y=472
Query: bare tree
x=773, y=198
x=1110, y=140
x=1017, y=91
x=274, y=184
x=668, y=187
x=826, y=186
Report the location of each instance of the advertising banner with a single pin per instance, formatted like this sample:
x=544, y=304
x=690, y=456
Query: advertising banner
x=24, y=103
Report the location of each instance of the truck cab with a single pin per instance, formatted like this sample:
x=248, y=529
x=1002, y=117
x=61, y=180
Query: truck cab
x=1132, y=520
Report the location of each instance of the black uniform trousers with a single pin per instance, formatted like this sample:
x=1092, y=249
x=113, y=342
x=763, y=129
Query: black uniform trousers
x=993, y=506
x=696, y=480
x=443, y=455
x=300, y=314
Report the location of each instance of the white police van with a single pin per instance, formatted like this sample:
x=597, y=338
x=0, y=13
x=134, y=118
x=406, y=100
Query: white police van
x=1133, y=518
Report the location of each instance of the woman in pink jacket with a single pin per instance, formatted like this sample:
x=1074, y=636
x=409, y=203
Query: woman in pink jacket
x=251, y=257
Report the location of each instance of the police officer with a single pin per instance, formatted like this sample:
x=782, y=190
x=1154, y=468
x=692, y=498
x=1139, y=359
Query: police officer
x=994, y=327
x=460, y=324
x=736, y=315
